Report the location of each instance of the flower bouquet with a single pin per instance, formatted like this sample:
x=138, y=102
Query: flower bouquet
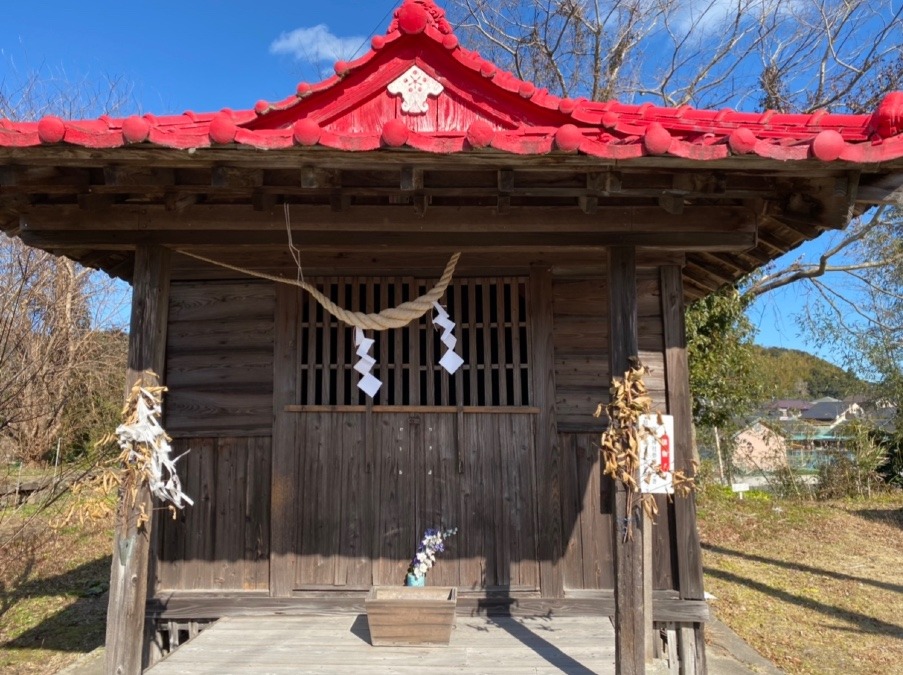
x=432, y=544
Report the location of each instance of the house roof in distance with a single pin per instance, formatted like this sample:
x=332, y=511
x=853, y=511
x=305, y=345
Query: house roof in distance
x=463, y=103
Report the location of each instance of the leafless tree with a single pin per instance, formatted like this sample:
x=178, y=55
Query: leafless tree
x=55, y=362
x=788, y=55
x=61, y=351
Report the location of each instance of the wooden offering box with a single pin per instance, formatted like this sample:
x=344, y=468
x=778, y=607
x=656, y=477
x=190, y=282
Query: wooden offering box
x=401, y=616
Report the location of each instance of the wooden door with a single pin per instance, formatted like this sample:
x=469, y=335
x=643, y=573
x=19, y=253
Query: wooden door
x=431, y=450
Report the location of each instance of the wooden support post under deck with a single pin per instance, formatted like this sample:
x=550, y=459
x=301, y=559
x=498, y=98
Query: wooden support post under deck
x=630, y=643
x=677, y=384
x=131, y=546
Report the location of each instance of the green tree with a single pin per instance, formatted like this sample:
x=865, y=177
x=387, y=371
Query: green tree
x=723, y=373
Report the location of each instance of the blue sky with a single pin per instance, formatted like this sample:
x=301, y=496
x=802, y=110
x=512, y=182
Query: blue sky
x=205, y=56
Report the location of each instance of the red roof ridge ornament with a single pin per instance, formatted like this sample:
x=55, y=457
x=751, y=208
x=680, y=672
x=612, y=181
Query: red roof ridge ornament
x=414, y=16
x=415, y=87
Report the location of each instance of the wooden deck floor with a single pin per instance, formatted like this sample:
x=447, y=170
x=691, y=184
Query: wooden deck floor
x=341, y=644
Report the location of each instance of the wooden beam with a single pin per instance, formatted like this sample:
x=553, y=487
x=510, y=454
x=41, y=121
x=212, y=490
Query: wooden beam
x=630, y=642
x=131, y=545
x=711, y=220
x=874, y=191
x=197, y=605
x=677, y=383
x=505, y=187
x=339, y=240
x=673, y=204
x=411, y=179
x=235, y=178
x=548, y=454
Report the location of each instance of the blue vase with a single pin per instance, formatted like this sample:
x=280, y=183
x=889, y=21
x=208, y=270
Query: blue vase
x=411, y=580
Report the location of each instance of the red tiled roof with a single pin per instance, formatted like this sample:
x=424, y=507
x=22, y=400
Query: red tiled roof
x=481, y=106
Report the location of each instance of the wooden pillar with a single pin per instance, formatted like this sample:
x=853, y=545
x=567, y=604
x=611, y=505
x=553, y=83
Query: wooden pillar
x=285, y=453
x=131, y=546
x=548, y=459
x=677, y=385
x=630, y=643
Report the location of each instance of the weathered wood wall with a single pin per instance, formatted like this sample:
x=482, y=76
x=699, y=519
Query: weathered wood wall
x=364, y=484
x=222, y=542
x=219, y=359
x=370, y=483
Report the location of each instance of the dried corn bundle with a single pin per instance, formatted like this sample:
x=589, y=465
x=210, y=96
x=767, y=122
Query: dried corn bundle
x=621, y=442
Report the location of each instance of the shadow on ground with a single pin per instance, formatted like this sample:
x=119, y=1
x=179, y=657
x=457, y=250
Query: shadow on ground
x=860, y=623
x=882, y=516
x=79, y=627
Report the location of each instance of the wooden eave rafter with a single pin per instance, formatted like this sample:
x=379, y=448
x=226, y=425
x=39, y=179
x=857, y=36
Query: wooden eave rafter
x=728, y=222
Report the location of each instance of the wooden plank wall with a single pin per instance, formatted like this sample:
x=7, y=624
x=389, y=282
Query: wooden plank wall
x=580, y=316
x=219, y=359
x=369, y=484
x=222, y=541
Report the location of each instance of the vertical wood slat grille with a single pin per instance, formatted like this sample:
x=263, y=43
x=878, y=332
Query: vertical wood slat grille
x=491, y=318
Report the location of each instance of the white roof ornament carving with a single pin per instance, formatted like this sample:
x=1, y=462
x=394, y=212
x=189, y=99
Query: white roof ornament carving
x=414, y=87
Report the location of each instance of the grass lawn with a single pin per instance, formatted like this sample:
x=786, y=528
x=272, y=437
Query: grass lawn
x=817, y=587
x=53, y=599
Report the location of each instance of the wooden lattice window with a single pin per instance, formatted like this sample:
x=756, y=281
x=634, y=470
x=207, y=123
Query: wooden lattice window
x=491, y=318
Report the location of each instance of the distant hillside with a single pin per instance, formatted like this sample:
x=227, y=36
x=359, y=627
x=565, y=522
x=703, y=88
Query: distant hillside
x=790, y=373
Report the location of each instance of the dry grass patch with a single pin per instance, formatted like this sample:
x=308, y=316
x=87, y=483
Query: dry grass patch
x=815, y=587
x=53, y=597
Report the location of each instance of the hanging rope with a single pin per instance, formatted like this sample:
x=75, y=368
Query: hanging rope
x=387, y=319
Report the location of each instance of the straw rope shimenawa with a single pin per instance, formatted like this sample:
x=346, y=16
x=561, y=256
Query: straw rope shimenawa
x=387, y=319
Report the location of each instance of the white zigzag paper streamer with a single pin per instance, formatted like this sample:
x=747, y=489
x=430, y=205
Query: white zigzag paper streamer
x=451, y=361
x=368, y=383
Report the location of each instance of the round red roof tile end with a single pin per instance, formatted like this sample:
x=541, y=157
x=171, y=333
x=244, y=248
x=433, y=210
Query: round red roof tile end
x=222, y=129
x=51, y=130
x=395, y=133
x=567, y=105
x=610, y=119
x=568, y=138
x=135, y=129
x=828, y=145
x=480, y=134
x=742, y=141
x=306, y=132
x=656, y=140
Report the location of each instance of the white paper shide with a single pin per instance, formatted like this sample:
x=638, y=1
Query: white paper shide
x=451, y=360
x=656, y=453
x=368, y=383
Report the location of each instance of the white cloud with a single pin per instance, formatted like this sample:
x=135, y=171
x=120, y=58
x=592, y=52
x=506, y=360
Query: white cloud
x=317, y=44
